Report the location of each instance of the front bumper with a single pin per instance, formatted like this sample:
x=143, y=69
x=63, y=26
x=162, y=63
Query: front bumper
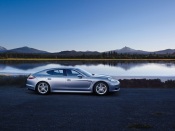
x=114, y=87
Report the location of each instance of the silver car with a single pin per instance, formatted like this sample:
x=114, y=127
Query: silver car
x=71, y=80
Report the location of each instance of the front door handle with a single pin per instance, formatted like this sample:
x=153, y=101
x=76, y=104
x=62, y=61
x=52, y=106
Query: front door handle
x=68, y=79
x=49, y=78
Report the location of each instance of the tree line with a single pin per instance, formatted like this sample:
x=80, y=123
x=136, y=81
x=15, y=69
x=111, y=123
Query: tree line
x=104, y=55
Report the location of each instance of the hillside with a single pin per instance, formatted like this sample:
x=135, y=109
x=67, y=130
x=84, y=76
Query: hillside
x=27, y=50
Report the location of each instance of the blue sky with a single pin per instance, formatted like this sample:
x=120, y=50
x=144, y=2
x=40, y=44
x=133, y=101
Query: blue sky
x=102, y=25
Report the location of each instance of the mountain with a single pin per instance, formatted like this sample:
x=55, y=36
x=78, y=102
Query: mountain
x=27, y=50
x=124, y=50
x=128, y=50
x=77, y=53
x=2, y=49
x=167, y=51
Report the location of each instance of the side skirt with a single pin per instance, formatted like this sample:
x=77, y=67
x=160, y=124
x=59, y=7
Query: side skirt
x=72, y=91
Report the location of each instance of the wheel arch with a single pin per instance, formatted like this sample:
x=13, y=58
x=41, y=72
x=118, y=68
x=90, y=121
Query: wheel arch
x=40, y=82
x=99, y=82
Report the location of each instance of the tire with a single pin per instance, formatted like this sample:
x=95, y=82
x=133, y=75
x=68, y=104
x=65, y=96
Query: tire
x=43, y=88
x=101, y=88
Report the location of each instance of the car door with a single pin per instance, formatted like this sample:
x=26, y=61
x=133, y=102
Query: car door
x=57, y=79
x=76, y=81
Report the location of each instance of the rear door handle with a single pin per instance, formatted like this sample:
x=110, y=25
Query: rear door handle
x=68, y=79
x=49, y=78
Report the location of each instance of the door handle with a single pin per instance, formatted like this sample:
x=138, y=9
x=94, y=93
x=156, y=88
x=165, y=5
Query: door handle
x=68, y=79
x=49, y=78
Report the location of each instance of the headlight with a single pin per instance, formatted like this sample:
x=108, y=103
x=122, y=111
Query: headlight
x=111, y=79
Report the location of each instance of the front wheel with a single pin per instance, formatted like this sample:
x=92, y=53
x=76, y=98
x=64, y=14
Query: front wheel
x=43, y=88
x=101, y=88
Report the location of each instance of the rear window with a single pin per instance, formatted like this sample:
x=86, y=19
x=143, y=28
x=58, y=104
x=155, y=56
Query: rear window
x=59, y=72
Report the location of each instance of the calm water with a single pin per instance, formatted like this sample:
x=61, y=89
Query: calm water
x=114, y=68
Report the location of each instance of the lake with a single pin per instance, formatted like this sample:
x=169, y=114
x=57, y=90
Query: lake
x=113, y=68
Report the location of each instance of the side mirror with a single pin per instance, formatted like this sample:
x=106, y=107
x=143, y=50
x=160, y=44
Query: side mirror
x=79, y=76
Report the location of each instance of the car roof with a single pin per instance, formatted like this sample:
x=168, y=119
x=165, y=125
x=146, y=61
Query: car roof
x=61, y=68
x=55, y=69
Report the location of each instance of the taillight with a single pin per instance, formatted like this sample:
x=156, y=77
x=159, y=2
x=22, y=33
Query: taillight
x=31, y=77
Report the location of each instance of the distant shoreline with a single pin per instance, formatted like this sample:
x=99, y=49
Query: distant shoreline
x=74, y=59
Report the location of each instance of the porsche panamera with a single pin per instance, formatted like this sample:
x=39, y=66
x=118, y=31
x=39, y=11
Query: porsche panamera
x=71, y=80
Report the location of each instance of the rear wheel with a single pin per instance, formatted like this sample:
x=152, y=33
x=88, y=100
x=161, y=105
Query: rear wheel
x=101, y=88
x=43, y=88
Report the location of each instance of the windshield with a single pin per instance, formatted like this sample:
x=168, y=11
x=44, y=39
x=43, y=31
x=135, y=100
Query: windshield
x=85, y=72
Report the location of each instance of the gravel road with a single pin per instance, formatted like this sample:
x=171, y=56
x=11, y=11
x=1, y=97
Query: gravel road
x=130, y=109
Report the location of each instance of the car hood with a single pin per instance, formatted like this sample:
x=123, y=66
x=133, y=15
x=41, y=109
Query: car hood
x=101, y=76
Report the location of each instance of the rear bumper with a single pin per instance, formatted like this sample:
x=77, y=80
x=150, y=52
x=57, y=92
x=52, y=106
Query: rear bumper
x=30, y=87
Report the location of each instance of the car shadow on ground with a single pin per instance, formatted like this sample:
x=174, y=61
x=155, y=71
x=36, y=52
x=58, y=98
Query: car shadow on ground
x=113, y=94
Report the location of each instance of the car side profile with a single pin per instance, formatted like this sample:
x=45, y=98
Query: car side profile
x=71, y=80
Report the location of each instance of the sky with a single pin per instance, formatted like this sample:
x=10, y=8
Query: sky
x=95, y=25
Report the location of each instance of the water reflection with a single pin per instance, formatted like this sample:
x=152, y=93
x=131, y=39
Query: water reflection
x=2, y=66
x=107, y=67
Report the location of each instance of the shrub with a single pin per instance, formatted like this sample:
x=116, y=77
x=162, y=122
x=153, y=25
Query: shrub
x=13, y=80
x=146, y=83
x=170, y=84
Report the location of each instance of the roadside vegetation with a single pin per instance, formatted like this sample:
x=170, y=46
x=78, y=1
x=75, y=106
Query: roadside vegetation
x=126, y=83
x=147, y=83
x=13, y=80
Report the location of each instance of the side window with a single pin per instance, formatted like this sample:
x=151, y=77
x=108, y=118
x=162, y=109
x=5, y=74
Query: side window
x=57, y=72
x=72, y=73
